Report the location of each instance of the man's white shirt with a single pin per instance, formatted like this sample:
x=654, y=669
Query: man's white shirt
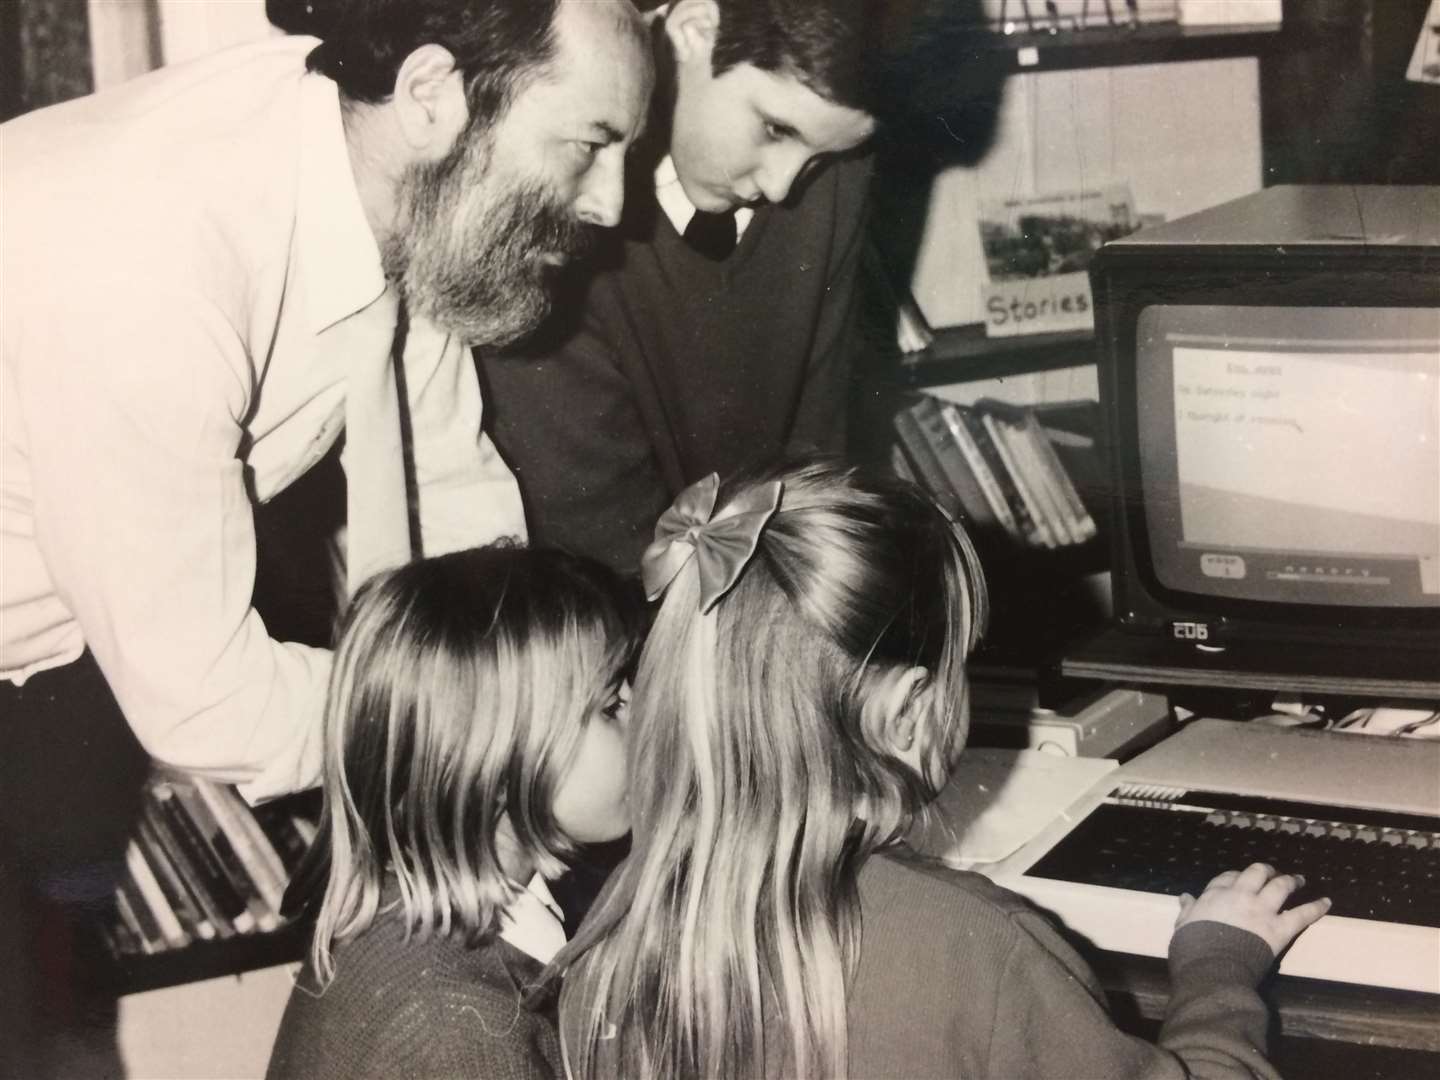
x=172, y=250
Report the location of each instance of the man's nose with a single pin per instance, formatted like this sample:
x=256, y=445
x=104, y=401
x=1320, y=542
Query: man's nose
x=602, y=194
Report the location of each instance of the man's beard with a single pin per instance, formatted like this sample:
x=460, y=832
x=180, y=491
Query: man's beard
x=466, y=252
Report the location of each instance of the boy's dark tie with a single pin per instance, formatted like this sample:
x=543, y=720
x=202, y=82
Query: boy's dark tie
x=712, y=235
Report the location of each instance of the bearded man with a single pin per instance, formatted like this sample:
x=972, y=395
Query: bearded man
x=203, y=274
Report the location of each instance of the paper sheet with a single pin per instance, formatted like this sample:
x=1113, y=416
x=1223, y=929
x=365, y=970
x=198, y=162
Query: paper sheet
x=998, y=800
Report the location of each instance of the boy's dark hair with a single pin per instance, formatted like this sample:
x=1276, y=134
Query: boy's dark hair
x=829, y=45
x=498, y=45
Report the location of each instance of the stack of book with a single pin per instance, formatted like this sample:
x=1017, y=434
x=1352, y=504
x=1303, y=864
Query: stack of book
x=993, y=467
x=204, y=866
x=1056, y=16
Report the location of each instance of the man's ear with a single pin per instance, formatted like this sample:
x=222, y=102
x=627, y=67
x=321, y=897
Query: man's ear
x=429, y=101
x=692, y=26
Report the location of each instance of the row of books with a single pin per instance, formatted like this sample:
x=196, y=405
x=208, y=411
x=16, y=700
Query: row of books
x=1057, y=16
x=994, y=467
x=204, y=866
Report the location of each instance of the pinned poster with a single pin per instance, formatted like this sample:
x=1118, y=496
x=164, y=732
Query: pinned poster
x=1425, y=60
x=1037, y=249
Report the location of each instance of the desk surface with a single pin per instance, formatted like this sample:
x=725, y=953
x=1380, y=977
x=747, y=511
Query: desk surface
x=1315, y=1009
x=1306, y=1008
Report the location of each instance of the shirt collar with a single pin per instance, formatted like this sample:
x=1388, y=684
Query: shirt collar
x=339, y=259
x=533, y=922
x=670, y=194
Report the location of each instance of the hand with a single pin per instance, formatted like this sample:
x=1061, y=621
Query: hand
x=1251, y=899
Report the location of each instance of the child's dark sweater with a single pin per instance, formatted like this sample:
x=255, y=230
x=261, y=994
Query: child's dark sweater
x=961, y=978
x=663, y=366
x=422, y=1009
x=958, y=978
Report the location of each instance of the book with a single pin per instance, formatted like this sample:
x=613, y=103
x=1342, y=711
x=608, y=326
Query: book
x=247, y=839
x=1036, y=480
x=184, y=864
x=1057, y=16
x=923, y=462
x=137, y=916
x=1082, y=525
x=126, y=900
x=974, y=504
x=167, y=924
x=208, y=882
x=177, y=893
x=994, y=495
x=120, y=939
x=1039, y=533
x=262, y=916
x=1025, y=526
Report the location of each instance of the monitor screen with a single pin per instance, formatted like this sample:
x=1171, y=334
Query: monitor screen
x=1291, y=454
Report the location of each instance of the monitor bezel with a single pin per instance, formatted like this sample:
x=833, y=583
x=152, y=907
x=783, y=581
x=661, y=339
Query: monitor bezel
x=1125, y=283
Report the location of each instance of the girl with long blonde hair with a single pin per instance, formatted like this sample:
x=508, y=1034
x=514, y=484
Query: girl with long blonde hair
x=473, y=738
x=800, y=698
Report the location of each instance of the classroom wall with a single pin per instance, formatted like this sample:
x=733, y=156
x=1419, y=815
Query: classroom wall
x=131, y=37
x=1184, y=136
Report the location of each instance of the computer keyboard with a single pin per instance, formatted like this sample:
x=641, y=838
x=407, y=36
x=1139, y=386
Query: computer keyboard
x=1383, y=867
x=1358, y=816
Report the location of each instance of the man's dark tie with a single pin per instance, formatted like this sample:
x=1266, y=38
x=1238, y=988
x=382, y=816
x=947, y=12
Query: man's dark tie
x=712, y=235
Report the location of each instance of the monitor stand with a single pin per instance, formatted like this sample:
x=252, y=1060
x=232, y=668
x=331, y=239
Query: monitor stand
x=1139, y=659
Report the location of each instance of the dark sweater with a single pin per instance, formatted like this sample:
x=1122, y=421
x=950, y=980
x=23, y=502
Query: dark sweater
x=419, y=1009
x=663, y=366
x=959, y=978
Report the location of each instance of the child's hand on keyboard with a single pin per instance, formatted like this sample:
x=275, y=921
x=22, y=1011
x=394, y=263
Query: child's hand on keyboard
x=1251, y=899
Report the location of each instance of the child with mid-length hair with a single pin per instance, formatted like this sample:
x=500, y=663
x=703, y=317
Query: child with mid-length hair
x=801, y=696
x=473, y=737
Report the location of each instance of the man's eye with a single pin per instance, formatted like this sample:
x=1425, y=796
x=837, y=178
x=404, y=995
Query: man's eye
x=776, y=132
x=588, y=149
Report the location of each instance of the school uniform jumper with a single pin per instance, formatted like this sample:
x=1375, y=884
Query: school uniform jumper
x=425, y=1008
x=662, y=365
x=960, y=979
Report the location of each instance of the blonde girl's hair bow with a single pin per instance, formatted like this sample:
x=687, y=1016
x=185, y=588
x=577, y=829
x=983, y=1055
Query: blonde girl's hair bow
x=721, y=544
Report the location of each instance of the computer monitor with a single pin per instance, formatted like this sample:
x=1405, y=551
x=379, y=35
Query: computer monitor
x=1270, y=374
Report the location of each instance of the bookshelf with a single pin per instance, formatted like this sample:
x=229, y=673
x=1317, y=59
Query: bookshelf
x=1151, y=43
x=1029, y=484
x=944, y=68
x=961, y=119
x=964, y=354
x=134, y=974
x=204, y=889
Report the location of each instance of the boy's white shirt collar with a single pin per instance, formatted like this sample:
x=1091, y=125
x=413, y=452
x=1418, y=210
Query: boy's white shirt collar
x=670, y=194
x=533, y=922
x=668, y=190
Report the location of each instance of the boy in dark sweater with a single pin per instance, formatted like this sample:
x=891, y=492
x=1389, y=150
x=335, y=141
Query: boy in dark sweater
x=689, y=351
